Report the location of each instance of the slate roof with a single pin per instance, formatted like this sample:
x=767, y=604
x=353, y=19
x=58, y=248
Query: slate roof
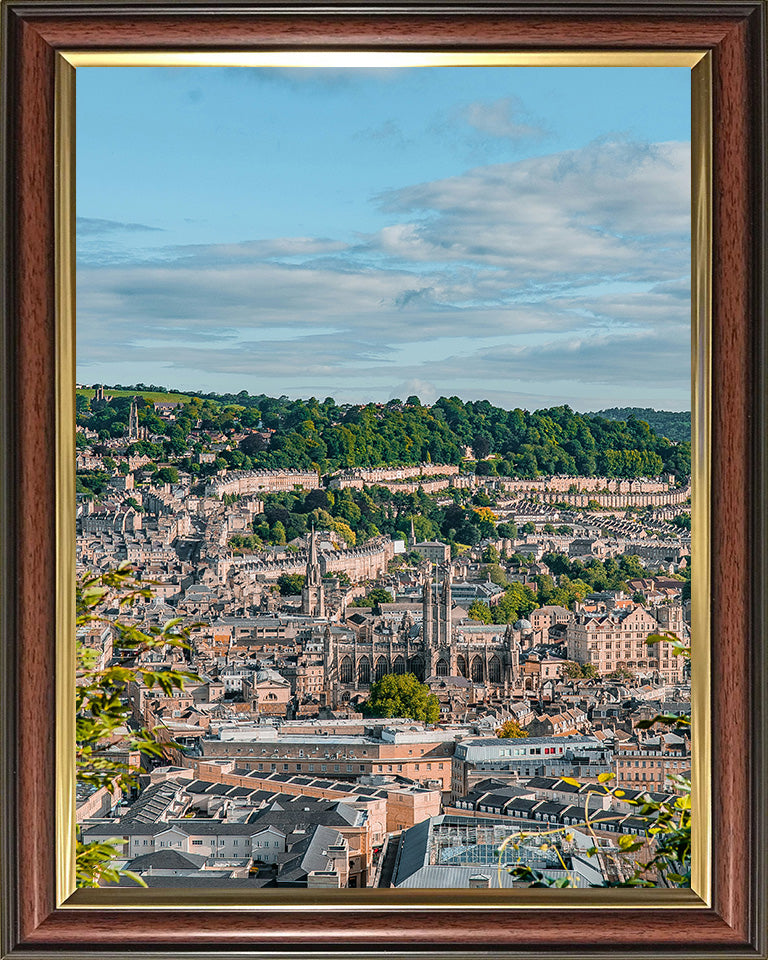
x=168, y=860
x=152, y=803
x=209, y=879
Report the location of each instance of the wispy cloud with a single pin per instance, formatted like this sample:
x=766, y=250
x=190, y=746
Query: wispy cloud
x=569, y=270
x=93, y=226
x=506, y=118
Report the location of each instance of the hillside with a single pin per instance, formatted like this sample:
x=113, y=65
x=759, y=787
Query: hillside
x=326, y=436
x=151, y=396
x=666, y=423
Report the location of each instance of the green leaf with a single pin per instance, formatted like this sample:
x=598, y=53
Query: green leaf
x=92, y=595
x=133, y=876
x=627, y=843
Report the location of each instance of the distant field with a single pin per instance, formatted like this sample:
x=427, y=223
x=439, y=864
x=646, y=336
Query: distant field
x=147, y=394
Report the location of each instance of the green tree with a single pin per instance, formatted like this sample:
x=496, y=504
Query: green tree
x=101, y=704
x=495, y=574
x=580, y=671
x=277, y=533
x=620, y=673
x=490, y=554
x=480, y=611
x=402, y=696
x=518, y=601
x=166, y=475
x=511, y=729
x=291, y=584
x=374, y=597
x=507, y=530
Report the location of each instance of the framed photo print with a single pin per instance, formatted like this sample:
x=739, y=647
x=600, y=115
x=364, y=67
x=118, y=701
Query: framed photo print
x=383, y=500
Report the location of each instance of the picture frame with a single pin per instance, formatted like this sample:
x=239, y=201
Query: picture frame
x=36, y=584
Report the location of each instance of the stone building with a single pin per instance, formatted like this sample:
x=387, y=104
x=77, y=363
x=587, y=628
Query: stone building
x=617, y=639
x=434, y=647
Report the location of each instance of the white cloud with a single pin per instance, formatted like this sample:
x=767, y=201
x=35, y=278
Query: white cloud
x=611, y=209
x=565, y=269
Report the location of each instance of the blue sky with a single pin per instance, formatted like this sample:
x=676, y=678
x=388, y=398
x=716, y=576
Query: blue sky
x=516, y=234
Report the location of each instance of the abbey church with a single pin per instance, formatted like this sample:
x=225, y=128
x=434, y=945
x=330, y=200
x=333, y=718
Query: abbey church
x=433, y=644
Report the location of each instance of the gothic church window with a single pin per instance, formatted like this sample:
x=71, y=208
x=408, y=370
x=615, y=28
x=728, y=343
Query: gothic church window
x=345, y=670
x=364, y=670
x=494, y=670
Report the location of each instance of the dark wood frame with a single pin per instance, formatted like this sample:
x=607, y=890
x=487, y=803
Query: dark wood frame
x=735, y=32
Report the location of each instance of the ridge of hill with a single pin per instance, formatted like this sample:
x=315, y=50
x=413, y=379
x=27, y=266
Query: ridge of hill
x=672, y=424
x=326, y=436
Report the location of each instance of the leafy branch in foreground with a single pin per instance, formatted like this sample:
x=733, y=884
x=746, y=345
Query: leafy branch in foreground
x=100, y=700
x=668, y=823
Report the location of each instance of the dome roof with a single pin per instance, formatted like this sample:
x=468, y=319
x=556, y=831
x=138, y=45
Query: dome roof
x=523, y=625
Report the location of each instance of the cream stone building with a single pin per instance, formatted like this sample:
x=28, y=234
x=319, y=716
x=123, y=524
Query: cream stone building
x=617, y=639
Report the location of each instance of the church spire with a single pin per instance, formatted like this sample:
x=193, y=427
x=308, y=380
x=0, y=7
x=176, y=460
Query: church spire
x=133, y=420
x=312, y=592
x=314, y=574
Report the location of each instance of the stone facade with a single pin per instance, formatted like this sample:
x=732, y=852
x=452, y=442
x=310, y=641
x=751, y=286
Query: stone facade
x=261, y=481
x=617, y=639
x=366, y=562
x=436, y=647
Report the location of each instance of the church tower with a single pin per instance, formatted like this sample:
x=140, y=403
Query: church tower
x=133, y=420
x=512, y=658
x=312, y=602
x=428, y=626
x=445, y=614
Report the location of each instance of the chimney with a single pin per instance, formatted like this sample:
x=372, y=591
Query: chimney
x=479, y=882
x=339, y=855
x=319, y=879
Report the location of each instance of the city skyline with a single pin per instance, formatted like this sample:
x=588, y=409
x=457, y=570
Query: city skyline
x=515, y=235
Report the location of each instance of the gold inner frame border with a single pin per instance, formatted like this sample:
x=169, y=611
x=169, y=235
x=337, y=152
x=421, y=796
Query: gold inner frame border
x=700, y=893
